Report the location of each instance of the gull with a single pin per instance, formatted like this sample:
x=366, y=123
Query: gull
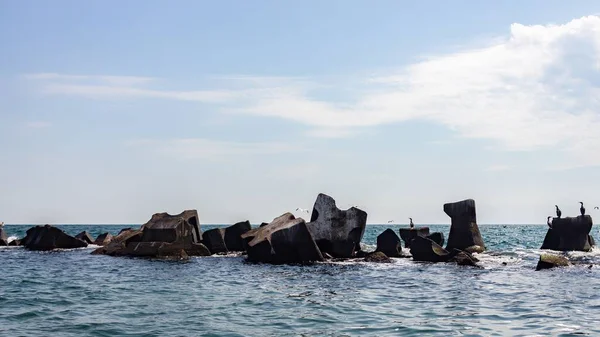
x=390, y=221
x=301, y=210
x=596, y=207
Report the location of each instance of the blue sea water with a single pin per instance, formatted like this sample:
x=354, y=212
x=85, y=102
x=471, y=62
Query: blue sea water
x=73, y=293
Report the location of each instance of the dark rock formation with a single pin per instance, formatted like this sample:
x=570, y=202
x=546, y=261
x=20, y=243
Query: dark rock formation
x=15, y=242
x=49, y=237
x=548, y=261
x=263, y=224
x=378, y=257
x=408, y=234
x=463, y=258
x=233, y=236
x=3, y=237
x=570, y=233
x=214, y=240
x=165, y=235
x=437, y=237
x=336, y=232
x=103, y=239
x=284, y=240
x=464, y=231
x=424, y=249
x=389, y=243
x=85, y=236
x=125, y=230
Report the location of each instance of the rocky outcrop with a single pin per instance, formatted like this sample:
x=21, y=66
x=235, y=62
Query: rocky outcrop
x=233, y=236
x=408, y=234
x=463, y=258
x=165, y=235
x=85, y=236
x=437, y=237
x=214, y=240
x=48, y=238
x=15, y=242
x=424, y=249
x=548, y=261
x=103, y=239
x=389, y=243
x=378, y=257
x=336, y=232
x=571, y=233
x=464, y=231
x=284, y=240
x=3, y=236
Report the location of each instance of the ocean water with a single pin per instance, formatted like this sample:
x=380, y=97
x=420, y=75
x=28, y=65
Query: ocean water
x=73, y=293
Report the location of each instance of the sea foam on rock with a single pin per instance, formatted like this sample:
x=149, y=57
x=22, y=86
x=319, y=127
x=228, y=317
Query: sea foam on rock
x=571, y=233
x=48, y=237
x=336, y=232
x=464, y=231
x=548, y=261
x=285, y=240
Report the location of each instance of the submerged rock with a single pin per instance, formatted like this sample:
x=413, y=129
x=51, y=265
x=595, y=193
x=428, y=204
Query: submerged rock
x=336, y=232
x=49, y=237
x=233, y=236
x=437, y=237
x=85, y=236
x=389, y=243
x=284, y=240
x=408, y=234
x=464, y=231
x=378, y=257
x=103, y=239
x=424, y=249
x=214, y=240
x=548, y=261
x=571, y=233
x=463, y=258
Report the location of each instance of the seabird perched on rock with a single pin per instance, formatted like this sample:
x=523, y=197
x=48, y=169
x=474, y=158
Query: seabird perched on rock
x=558, y=212
x=548, y=221
x=582, y=209
x=412, y=225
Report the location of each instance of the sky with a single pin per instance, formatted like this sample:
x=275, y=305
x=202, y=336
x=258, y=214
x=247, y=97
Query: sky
x=111, y=111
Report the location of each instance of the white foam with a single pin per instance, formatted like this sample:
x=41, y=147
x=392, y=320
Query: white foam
x=11, y=238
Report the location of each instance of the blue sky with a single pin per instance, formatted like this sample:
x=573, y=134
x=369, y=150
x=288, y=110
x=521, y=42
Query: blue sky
x=111, y=111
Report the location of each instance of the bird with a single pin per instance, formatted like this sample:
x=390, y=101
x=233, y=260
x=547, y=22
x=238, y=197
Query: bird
x=390, y=221
x=548, y=221
x=301, y=210
x=558, y=212
x=412, y=225
x=596, y=207
x=582, y=209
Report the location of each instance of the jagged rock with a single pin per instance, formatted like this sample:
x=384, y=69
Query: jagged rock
x=389, y=243
x=165, y=249
x=464, y=231
x=214, y=240
x=233, y=236
x=548, y=261
x=336, y=232
x=437, y=237
x=116, y=246
x=571, y=233
x=424, y=249
x=3, y=236
x=263, y=224
x=125, y=230
x=15, y=242
x=85, y=236
x=49, y=237
x=103, y=239
x=378, y=257
x=408, y=234
x=284, y=240
x=463, y=258
x=164, y=227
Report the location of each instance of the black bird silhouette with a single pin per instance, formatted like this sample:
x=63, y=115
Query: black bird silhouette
x=558, y=212
x=548, y=221
x=596, y=207
x=412, y=225
x=582, y=209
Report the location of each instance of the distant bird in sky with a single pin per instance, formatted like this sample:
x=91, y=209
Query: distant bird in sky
x=390, y=221
x=596, y=207
x=412, y=225
x=582, y=209
x=548, y=221
x=301, y=210
x=558, y=212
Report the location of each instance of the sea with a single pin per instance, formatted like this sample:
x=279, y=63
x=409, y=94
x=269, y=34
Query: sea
x=73, y=293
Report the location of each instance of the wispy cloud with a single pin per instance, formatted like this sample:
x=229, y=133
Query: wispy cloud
x=200, y=148
x=535, y=88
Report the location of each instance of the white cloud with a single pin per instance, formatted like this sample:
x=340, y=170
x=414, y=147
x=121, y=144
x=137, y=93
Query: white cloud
x=536, y=88
x=200, y=148
x=38, y=125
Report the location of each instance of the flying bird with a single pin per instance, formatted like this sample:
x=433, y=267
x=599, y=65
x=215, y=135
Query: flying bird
x=558, y=212
x=582, y=209
x=390, y=221
x=301, y=210
x=596, y=207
